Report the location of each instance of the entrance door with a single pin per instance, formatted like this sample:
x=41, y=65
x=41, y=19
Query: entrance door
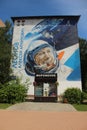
x=46, y=92
x=46, y=89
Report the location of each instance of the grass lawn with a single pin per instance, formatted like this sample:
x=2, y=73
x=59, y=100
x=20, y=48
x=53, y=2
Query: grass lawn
x=80, y=107
x=4, y=105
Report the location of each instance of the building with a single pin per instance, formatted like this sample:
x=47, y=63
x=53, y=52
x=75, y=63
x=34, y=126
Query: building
x=44, y=46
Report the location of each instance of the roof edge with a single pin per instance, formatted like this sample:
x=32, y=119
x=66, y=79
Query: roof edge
x=46, y=16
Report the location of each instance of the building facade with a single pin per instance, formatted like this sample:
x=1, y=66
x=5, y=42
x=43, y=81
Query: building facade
x=47, y=44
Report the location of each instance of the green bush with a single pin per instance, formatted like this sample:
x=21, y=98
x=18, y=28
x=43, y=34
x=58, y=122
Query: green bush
x=13, y=92
x=83, y=96
x=3, y=95
x=73, y=95
x=1, y=85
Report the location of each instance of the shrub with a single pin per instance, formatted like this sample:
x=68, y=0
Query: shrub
x=83, y=96
x=1, y=85
x=13, y=92
x=3, y=95
x=73, y=95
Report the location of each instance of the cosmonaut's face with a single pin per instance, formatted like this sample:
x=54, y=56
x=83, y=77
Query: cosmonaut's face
x=45, y=58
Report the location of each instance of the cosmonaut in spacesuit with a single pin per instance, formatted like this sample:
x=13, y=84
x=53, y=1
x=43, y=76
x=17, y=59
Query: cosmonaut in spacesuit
x=40, y=57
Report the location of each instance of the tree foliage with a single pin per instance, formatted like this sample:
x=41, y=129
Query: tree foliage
x=5, y=52
x=83, y=54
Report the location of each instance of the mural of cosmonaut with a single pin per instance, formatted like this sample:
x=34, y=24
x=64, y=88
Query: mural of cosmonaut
x=47, y=45
x=40, y=57
x=49, y=37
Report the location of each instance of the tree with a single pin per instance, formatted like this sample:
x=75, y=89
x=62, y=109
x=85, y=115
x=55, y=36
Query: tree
x=83, y=54
x=5, y=52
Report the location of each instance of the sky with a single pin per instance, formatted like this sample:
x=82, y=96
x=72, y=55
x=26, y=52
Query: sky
x=12, y=8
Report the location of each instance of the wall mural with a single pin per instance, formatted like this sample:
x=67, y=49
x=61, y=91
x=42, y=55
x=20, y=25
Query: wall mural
x=49, y=46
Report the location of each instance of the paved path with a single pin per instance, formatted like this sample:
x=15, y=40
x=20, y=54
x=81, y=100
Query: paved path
x=42, y=120
x=35, y=106
x=42, y=116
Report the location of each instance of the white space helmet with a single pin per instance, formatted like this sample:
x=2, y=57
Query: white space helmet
x=30, y=65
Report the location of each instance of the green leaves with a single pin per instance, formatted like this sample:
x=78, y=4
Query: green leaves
x=13, y=92
x=73, y=95
x=83, y=54
x=5, y=52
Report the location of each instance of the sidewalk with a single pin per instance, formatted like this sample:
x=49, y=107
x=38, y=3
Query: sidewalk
x=42, y=116
x=36, y=106
x=42, y=120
